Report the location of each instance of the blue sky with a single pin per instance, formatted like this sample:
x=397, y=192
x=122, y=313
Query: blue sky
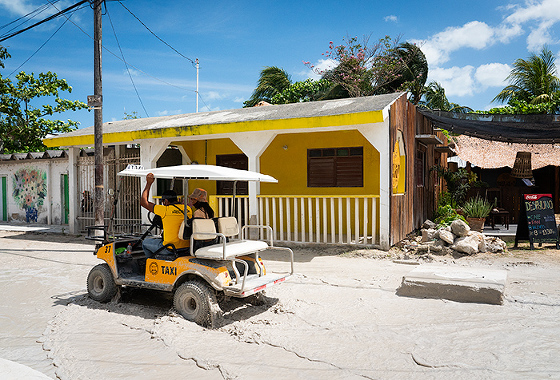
x=470, y=46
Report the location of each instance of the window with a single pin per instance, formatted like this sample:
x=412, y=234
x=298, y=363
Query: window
x=236, y=161
x=335, y=167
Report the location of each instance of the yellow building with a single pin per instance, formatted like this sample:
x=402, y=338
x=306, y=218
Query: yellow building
x=344, y=167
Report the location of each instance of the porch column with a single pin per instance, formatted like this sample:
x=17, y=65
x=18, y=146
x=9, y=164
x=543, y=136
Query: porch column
x=150, y=152
x=253, y=144
x=378, y=136
x=73, y=203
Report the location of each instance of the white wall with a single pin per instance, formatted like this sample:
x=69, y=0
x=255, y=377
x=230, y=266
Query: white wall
x=34, y=189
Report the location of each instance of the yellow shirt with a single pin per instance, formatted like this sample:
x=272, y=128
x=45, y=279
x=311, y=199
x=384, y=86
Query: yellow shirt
x=172, y=216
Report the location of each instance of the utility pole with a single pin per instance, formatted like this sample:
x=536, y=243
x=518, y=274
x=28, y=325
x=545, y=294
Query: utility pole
x=99, y=199
x=197, y=66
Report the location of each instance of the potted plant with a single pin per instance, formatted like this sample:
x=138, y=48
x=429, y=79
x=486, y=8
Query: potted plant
x=476, y=211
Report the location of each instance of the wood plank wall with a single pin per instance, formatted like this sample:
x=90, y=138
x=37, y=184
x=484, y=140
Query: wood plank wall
x=418, y=203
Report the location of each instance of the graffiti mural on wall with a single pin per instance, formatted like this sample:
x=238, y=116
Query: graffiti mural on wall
x=30, y=190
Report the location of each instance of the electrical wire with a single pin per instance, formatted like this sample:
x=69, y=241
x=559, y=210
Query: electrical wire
x=155, y=35
x=5, y=37
x=125, y=64
x=26, y=17
x=40, y=47
x=129, y=64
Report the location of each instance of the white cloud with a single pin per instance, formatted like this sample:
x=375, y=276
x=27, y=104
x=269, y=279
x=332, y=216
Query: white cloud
x=457, y=81
x=391, y=18
x=169, y=112
x=18, y=7
x=321, y=66
x=492, y=75
x=475, y=34
x=539, y=17
x=468, y=80
x=535, y=10
x=212, y=95
x=539, y=36
x=23, y=7
x=239, y=99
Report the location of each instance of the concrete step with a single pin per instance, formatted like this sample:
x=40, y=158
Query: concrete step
x=478, y=285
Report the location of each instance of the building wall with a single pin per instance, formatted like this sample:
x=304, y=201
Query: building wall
x=34, y=191
x=289, y=165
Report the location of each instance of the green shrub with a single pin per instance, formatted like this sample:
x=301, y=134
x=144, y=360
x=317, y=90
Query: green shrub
x=446, y=214
x=477, y=207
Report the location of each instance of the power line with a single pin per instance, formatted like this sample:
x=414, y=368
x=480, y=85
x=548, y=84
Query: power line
x=26, y=17
x=43, y=21
x=40, y=47
x=125, y=64
x=155, y=35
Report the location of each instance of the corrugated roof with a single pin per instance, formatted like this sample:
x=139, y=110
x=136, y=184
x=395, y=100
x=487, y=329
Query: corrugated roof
x=495, y=154
x=33, y=155
x=272, y=112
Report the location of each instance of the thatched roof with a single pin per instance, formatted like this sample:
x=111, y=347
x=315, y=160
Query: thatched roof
x=494, y=154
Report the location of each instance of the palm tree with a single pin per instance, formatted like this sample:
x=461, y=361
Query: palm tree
x=436, y=99
x=533, y=80
x=273, y=80
x=413, y=73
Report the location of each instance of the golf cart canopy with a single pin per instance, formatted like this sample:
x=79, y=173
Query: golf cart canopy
x=209, y=172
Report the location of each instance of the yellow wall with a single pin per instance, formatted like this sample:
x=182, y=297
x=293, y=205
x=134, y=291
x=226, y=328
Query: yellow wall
x=198, y=152
x=289, y=166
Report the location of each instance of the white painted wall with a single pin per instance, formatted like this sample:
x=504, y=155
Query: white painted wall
x=32, y=173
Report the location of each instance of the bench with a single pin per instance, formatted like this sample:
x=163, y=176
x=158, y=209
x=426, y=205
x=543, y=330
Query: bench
x=229, y=249
x=204, y=229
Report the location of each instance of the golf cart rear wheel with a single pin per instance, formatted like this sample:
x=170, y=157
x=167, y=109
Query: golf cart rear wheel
x=101, y=286
x=196, y=302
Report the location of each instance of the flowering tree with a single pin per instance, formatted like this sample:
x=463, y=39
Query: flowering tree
x=362, y=68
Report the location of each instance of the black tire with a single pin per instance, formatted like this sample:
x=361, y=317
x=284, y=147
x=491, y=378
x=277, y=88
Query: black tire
x=101, y=285
x=196, y=302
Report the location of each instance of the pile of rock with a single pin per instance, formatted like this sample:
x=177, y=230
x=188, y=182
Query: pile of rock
x=456, y=238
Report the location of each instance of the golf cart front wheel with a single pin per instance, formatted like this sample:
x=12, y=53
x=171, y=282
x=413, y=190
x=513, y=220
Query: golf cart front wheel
x=101, y=286
x=196, y=302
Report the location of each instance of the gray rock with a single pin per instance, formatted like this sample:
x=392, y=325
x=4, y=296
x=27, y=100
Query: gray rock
x=494, y=244
x=429, y=224
x=481, y=242
x=460, y=228
x=428, y=235
x=466, y=244
x=446, y=236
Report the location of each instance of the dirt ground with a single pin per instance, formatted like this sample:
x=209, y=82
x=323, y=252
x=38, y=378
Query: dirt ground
x=338, y=317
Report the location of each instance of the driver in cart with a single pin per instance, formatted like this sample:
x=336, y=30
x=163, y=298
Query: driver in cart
x=172, y=215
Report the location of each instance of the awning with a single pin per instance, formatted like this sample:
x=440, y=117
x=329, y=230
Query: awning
x=528, y=129
x=209, y=172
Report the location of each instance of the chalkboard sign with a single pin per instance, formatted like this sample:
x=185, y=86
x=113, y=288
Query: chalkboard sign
x=537, y=222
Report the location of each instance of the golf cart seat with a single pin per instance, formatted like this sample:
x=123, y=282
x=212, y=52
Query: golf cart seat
x=204, y=229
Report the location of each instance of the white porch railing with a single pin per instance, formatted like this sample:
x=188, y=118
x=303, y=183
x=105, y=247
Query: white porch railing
x=313, y=219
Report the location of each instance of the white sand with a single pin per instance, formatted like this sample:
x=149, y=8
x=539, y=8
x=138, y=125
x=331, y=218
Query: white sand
x=337, y=318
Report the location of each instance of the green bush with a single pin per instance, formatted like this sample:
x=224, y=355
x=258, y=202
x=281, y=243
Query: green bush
x=477, y=207
x=445, y=215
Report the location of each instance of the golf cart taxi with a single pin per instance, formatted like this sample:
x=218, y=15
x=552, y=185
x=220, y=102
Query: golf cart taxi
x=230, y=268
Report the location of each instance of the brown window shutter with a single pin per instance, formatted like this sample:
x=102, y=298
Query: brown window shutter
x=349, y=171
x=320, y=172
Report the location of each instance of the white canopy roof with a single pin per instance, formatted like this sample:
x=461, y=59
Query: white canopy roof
x=210, y=172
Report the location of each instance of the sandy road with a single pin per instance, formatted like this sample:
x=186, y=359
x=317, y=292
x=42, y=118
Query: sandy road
x=337, y=318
